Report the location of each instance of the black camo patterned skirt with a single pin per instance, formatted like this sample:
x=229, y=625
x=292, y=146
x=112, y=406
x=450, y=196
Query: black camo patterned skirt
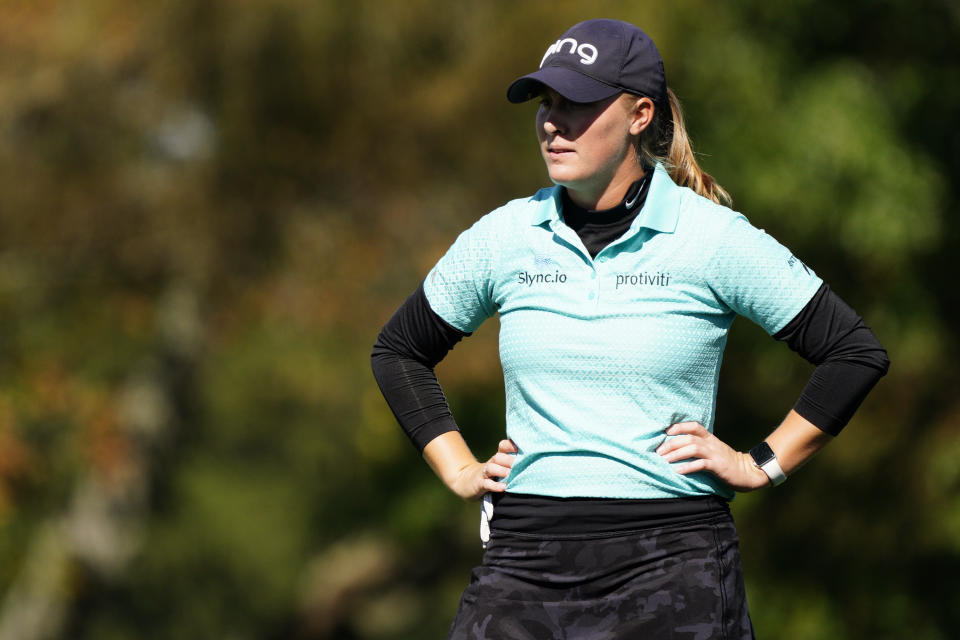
x=680, y=581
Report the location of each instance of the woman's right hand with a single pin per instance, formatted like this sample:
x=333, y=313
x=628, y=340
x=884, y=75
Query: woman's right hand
x=478, y=478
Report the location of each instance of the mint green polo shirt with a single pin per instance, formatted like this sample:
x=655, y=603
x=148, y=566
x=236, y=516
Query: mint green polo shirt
x=601, y=355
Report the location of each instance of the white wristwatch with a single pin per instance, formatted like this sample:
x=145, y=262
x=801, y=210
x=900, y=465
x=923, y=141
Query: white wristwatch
x=764, y=457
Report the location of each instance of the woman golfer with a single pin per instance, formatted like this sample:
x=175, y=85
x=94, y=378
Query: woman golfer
x=606, y=507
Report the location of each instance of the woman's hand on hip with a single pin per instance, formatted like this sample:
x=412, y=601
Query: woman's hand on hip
x=478, y=478
x=700, y=450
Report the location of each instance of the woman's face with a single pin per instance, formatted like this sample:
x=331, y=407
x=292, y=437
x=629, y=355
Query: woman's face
x=588, y=147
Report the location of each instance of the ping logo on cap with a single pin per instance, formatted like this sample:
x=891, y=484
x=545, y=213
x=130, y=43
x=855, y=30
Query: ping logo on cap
x=587, y=52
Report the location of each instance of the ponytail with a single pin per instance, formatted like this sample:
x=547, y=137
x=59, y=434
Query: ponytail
x=666, y=141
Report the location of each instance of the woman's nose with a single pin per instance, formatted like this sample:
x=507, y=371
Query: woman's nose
x=551, y=126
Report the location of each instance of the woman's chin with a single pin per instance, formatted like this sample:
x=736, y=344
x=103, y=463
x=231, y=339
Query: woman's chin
x=563, y=178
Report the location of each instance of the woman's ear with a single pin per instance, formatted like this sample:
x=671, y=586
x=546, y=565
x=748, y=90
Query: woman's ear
x=641, y=113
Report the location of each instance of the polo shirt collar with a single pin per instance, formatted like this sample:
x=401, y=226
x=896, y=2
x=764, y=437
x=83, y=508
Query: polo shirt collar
x=660, y=211
x=549, y=209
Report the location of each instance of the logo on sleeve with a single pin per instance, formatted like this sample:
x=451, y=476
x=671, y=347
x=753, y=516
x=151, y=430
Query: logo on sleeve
x=793, y=261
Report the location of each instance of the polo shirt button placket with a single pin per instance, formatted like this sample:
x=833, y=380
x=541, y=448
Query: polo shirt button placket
x=595, y=277
x=595, y=282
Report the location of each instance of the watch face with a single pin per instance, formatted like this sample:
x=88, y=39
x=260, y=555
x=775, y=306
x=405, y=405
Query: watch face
x=762, y=454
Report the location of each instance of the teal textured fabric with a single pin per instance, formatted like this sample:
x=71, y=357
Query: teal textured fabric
x=601, y=355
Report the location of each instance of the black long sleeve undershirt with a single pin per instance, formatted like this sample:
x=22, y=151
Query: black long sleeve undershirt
x=827, y=333
x=410, y=345
x=850, y=360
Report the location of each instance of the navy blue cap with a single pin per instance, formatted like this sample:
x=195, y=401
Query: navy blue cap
x=595, y=60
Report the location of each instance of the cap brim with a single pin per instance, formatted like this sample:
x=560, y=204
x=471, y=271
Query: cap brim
x=570, y=84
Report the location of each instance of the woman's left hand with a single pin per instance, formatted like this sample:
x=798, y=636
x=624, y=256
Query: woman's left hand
x=704, y=451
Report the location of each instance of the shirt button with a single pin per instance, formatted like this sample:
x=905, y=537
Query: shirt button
x=592, y=295
x=593, y=276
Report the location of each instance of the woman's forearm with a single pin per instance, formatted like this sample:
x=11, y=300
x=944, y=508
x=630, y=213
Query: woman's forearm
x=451, y=459
x=448, y=455
x=795, y=441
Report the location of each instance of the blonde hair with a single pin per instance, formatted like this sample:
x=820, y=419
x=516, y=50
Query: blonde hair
x=666, y=141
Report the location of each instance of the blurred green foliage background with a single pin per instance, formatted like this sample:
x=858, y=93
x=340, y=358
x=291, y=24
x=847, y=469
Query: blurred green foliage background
x=209, y=208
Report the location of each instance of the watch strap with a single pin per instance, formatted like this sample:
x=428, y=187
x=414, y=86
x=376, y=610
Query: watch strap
x=764, y=457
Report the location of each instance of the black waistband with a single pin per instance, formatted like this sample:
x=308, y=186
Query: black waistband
x=528, y=513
